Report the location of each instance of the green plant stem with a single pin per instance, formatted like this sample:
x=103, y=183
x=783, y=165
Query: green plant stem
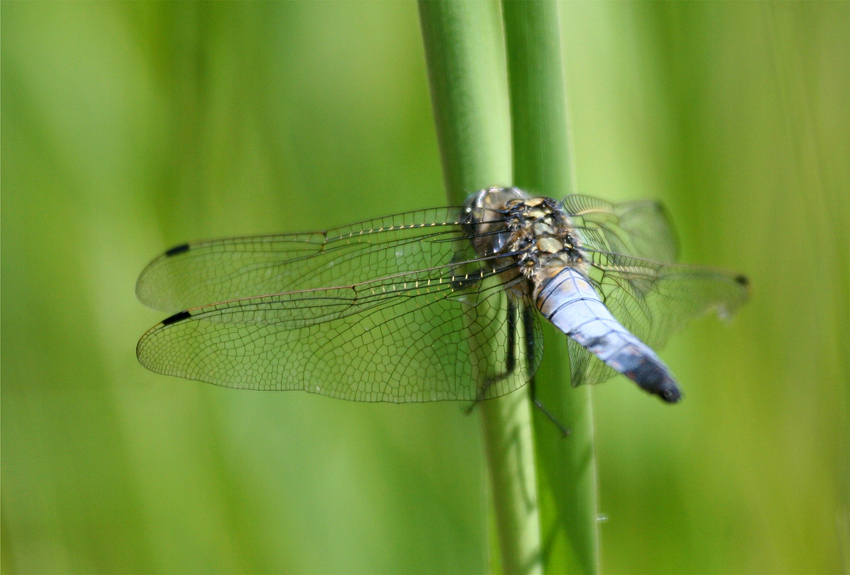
x=464, y=47
x=542, y=165
x=466, y=69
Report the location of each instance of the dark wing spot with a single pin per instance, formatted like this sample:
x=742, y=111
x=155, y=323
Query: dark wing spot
x=742, y=280
x=177, y=250
x=179, y=316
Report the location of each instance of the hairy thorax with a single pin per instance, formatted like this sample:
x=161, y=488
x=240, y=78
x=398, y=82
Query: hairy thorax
x=534, y=234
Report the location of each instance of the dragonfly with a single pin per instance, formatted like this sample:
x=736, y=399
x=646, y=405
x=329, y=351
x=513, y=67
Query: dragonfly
x=434, y=304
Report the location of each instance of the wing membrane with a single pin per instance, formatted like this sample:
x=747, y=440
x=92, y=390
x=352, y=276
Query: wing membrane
x=423, y=336
x=641, y=228
x=632, y=247
x=205, y=272
x=654, y=300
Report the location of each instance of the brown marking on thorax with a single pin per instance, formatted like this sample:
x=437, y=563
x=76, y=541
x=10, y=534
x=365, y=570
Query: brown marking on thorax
x=541, y=237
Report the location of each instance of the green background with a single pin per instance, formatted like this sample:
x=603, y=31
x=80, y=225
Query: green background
x=130, y=127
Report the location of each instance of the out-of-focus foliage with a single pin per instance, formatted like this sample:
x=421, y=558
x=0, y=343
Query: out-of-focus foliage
x=129, y=127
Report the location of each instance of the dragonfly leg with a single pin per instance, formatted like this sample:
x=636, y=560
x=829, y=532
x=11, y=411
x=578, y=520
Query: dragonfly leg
x=511, y=359
x=537, y=403
x=528, y=324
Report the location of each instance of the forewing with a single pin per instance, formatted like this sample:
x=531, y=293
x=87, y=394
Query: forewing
x=432, y=335
x=206, y=272
x=640, y=228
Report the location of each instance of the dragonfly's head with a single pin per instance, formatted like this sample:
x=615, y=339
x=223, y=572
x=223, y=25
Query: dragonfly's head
x=495, y=199
x=486, y=219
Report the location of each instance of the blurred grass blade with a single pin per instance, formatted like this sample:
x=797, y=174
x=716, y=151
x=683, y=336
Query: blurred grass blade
x=543, y=165
x=466, y=64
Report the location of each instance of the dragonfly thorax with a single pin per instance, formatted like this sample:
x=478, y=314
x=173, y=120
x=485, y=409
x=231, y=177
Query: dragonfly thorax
x=534, y=234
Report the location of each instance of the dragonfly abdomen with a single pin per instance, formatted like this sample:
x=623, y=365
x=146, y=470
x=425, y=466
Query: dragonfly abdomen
x=570, y=302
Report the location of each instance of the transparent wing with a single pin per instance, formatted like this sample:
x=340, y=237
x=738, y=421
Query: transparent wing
x=428, y=335
x=632, y=246
x=654, y=300
x=586, y=368
x=641, y=228
x=205, y=272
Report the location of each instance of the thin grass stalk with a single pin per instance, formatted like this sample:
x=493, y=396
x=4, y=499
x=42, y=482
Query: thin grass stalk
x=542, y=164
x=464, y=47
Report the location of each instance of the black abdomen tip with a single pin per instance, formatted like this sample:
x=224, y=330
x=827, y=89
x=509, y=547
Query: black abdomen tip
x=670, y=393
x=177, y=250
x=179, y=316
x=652, y=376
x=742, y=279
